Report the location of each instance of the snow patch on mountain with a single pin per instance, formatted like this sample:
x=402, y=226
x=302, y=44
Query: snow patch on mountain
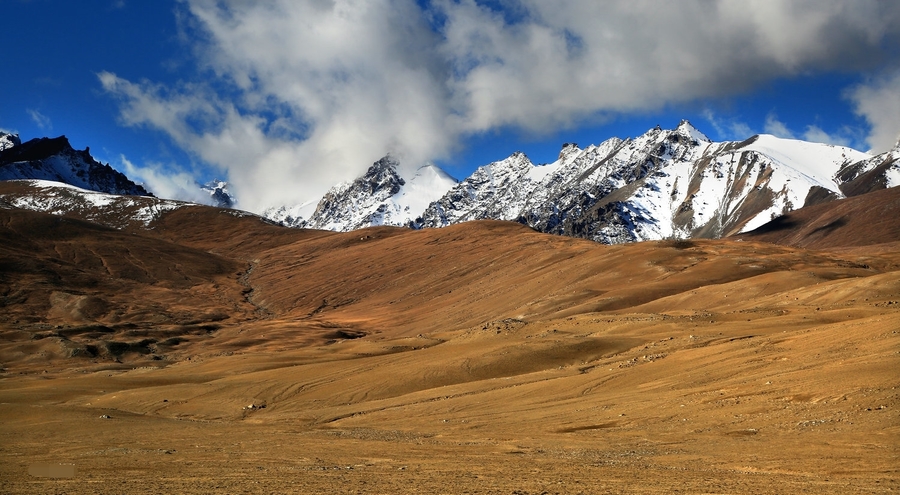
x=892, y=174
x=662, y=184
x=112, y=210
x=379, y=197
x=8, y=140
x=55, y=160
x=818, y=163
x=219, y=194
x=427, y=185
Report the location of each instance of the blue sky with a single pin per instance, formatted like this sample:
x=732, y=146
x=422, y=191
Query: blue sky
x=287, y=97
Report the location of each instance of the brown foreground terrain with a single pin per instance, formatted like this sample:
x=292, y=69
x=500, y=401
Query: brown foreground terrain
x=216, y=353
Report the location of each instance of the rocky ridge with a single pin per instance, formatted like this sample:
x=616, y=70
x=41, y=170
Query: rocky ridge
x=663, y=184
x=54, y=159
x=379, y=197
x=219, y=194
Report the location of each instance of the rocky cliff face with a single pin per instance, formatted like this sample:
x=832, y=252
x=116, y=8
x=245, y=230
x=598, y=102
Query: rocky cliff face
x=54, y=159
x=9, y=140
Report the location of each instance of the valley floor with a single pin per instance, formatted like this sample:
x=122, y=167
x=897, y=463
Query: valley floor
x=481, y=358
x=788, y=399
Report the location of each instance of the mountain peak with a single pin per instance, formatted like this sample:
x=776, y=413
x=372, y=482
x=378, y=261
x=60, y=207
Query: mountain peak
x=430, y=169
x=54, y=159
x=686, y=129
x=387, y=161
x=218, y=193
x=381, y=176
x=568, y=149
x=380, y=197
x=8, y=140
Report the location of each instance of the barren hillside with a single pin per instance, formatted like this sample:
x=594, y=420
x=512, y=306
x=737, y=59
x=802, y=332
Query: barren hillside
x=230, y=355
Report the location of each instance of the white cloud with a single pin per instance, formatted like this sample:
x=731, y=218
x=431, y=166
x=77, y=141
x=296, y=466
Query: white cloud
x=728, y=129
x=264, y=169
x=167, y=185
x=776, y=127
x=566, y=60
x=42, y=121
x=311, y=92
x=323, y=90
x=845, y=136
x=878, y=101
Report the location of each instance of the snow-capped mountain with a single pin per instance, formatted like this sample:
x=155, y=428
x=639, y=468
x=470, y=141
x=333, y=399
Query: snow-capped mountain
x=662, y=184
x=112, y=210
x=218, y=193
x=879, y=172
x=54, y=159
x=379, y=197
x=9, y=140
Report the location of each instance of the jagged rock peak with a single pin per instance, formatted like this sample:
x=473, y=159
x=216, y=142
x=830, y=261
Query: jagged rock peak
x=218, y=193
x=54, y=159
x=567, y=150
x=386, y=162
x=685, y=128
x=9, y=140
x=382, y=175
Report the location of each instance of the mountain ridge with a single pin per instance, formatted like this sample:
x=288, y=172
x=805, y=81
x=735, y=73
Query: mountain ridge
x=54, y=159
x=378, y=197
x=663, y=184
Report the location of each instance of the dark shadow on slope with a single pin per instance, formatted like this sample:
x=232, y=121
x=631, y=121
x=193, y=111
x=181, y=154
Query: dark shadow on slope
x=827, y=229
x=777, y=224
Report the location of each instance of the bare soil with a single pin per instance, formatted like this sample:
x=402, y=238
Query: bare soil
x=239, y=357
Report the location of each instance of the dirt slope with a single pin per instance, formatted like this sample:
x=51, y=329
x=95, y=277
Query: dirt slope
x=72, y=289
x=863, y=220
x=481, y=358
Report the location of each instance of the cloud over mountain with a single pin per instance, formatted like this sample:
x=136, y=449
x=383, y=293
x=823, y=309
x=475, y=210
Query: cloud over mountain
x=879, y=103
x=306, y=93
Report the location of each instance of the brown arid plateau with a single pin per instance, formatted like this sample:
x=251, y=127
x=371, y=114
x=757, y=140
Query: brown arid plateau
x=216, y=353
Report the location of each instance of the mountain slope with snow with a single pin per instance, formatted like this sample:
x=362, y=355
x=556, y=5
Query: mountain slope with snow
x=54, y=159
x=379, y=197
x=662, y=184
x=111, y=210
x=878, y=172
